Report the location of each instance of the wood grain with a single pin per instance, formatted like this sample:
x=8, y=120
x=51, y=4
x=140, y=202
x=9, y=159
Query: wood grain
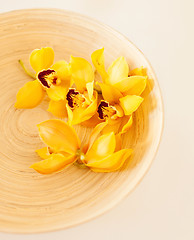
x=30, y=202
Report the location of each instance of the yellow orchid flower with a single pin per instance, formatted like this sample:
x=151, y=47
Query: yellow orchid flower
x=54, y=79
x=62, y=142
x=117, y=109
x=82, y=100
x=100, y=154
x=118, y=74
x=121, y=90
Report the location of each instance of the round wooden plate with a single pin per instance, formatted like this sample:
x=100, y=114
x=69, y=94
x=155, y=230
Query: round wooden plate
x=30, y=202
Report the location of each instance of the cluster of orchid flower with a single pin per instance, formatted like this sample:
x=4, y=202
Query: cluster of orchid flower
x=76, y=96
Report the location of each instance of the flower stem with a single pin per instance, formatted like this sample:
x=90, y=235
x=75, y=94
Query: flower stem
x=26, y=70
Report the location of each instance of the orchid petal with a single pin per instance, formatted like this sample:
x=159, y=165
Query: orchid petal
x=82, y=72
x=42, y=58
x=63, y=72
x=133, y=85
x=102, y=147
x=43, y=152
x=70, y=114
x=118, y=142
x=98, y=61
x=110, y=93
x=92, y=122
x=58, y=108
x=57, y=93
x=111, y=163
x=54, y=163
x=127, y=122
x=118, y=70
x=95, y=133
x=112, y=126
x=138, y=72
x=90, y=89
x=130, y=103
x=30, y=95
x=59, y=136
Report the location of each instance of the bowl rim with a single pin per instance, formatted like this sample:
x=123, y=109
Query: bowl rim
x=160, y=132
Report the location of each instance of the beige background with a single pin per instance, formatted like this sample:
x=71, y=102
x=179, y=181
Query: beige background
x=162, y=205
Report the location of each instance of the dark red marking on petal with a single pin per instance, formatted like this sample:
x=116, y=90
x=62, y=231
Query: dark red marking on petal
x=69, y=97
x=101, y=107
x=42, y=75
x=50, y=150
x=55, y=80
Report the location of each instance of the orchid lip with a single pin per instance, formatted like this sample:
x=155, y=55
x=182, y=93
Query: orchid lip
x=43, y=75
x=105, y=111
x=74, y=98
x=100, y=109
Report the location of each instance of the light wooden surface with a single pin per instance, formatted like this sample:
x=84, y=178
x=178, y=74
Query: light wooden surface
x=34, y=203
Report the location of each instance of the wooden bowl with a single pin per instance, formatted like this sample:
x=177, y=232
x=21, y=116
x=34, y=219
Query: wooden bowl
x=31, y=202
